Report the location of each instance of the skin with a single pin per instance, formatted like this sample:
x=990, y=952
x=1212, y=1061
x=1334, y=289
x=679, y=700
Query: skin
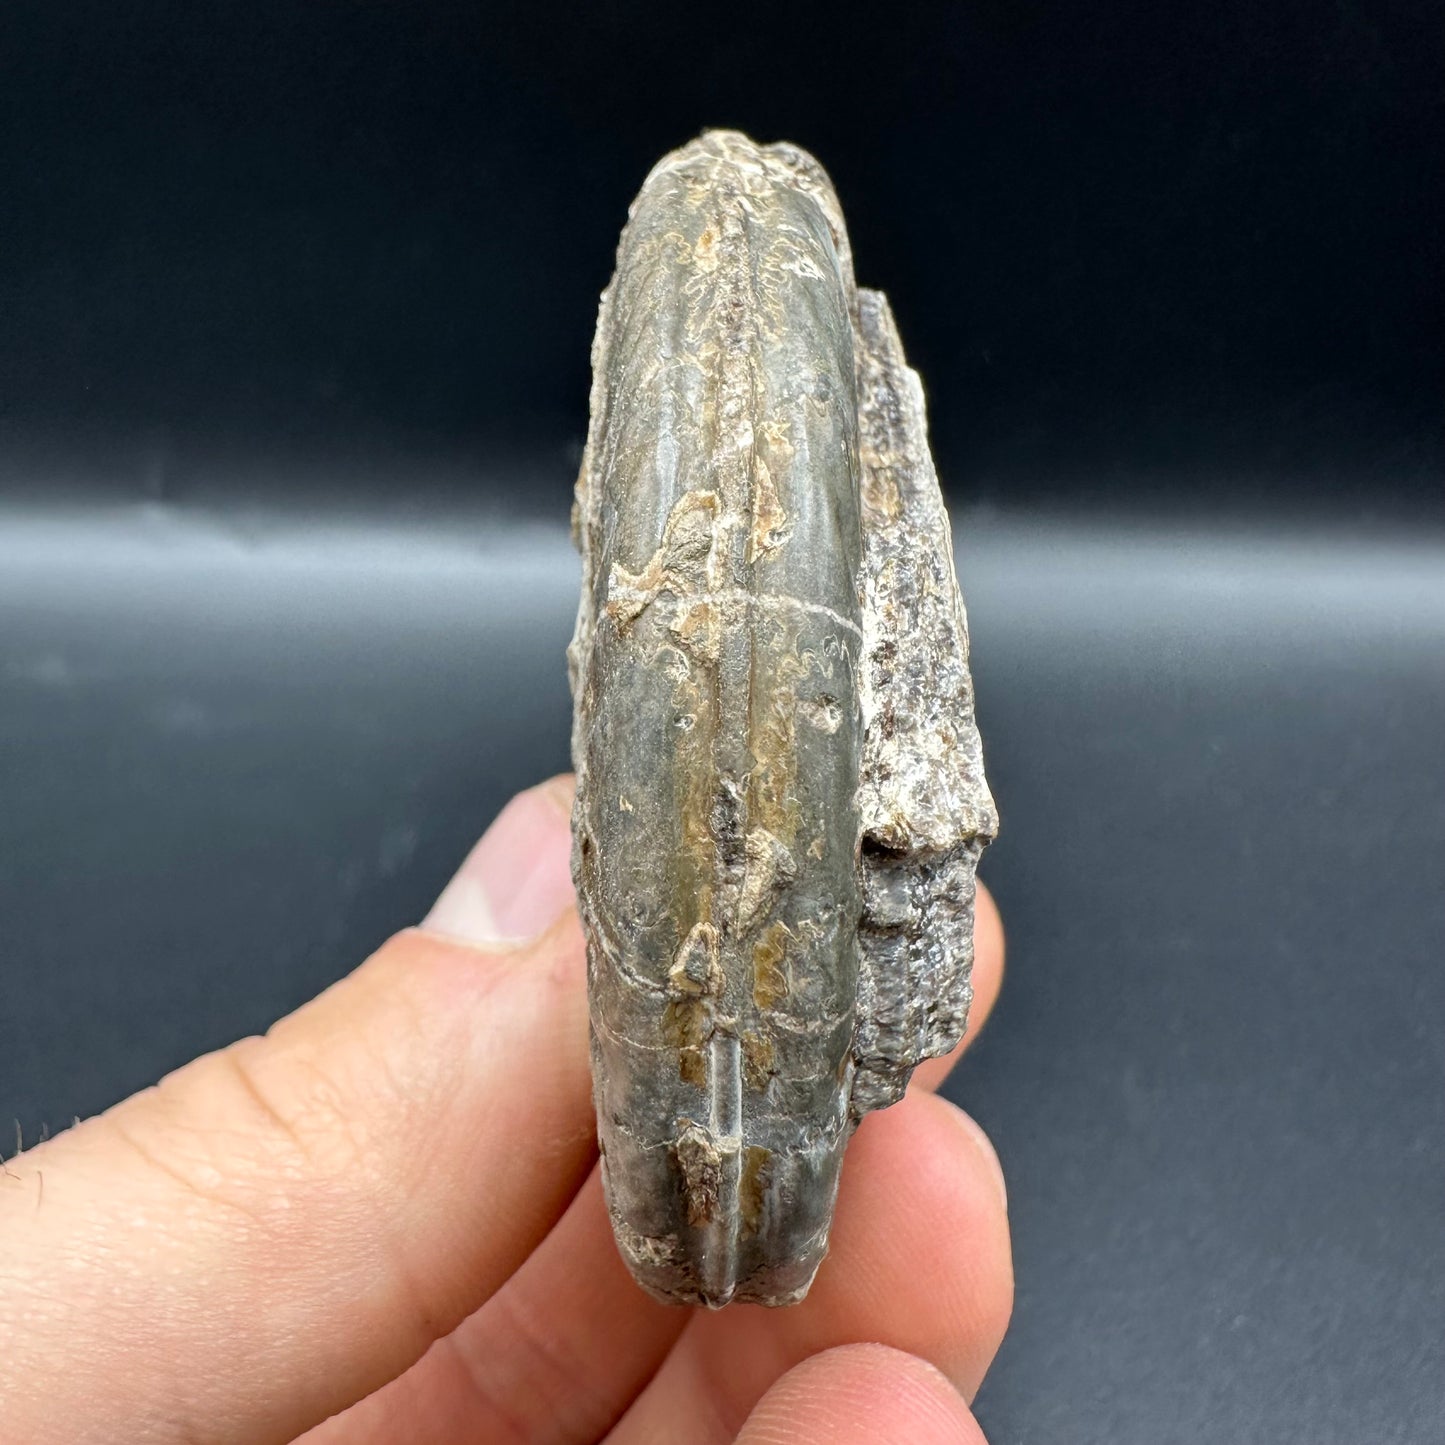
x=357, y=1229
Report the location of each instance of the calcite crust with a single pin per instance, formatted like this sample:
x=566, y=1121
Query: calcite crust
x=780, y=790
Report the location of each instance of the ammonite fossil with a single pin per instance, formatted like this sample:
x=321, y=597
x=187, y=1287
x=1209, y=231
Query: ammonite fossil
x=780, y=792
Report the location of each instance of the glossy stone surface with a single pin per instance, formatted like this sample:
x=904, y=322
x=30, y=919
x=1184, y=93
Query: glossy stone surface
x=780, y=796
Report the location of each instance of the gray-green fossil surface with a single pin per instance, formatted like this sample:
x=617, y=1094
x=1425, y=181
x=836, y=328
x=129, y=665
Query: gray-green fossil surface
x=780, y=793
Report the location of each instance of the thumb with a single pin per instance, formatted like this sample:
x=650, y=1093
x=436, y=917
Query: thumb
x=279, y=1228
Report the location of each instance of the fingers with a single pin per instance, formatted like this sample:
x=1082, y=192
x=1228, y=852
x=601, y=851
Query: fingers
x=862, y=1395
x=988, y=958
x=279, y=1228
x=553, y=1358
x=919, y=1261
x=560, y=1352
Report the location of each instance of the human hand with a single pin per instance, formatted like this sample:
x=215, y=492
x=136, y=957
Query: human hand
x=383, y=1222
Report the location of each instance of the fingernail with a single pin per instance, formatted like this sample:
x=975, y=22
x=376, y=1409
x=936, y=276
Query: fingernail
x=518, y=879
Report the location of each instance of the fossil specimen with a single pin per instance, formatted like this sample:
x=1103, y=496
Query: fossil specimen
x=780, y=793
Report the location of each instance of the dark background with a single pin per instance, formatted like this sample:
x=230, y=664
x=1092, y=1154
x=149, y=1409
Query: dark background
x=295, y=306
